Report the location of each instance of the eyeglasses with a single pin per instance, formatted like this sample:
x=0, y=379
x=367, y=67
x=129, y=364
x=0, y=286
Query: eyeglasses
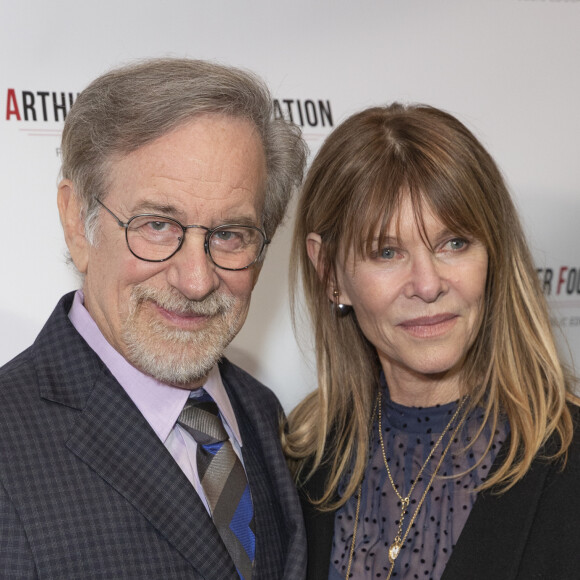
x=156, y=238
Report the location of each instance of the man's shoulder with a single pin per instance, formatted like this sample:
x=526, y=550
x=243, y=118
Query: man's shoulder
x=20, y=368
x=57, y=351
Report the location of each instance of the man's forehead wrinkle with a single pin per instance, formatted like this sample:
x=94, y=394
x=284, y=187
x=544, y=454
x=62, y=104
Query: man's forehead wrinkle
x=169, y=185
x=212, y=172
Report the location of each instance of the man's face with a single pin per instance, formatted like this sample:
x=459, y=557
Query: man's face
x=173, y=319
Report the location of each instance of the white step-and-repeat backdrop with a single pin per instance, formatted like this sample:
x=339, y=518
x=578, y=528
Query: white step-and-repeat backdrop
x=509, y=69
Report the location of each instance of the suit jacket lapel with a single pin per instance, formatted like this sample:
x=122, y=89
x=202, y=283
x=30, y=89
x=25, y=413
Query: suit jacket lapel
x=260, y=485
x=280, y=540
x=113, y=438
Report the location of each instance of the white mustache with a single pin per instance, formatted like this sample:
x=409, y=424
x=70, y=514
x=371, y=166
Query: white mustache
x=174, y=301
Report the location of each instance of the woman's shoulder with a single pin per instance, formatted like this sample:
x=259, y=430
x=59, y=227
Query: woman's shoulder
x=564, y=468
x=574, y=449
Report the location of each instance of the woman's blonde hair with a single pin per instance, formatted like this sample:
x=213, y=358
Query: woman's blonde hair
x=355, y=185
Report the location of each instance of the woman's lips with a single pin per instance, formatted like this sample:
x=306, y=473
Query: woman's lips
x=429, y=326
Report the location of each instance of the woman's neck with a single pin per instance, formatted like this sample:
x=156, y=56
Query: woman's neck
x=416, y=390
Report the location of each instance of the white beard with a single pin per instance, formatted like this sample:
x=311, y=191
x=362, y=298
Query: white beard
x=172, y=355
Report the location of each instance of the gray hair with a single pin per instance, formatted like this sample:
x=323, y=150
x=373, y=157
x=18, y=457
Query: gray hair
x=132, y=106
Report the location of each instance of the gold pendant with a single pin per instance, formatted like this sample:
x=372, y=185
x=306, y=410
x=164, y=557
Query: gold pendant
x=394, y=551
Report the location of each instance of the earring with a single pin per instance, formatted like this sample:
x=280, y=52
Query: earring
x=341, y=310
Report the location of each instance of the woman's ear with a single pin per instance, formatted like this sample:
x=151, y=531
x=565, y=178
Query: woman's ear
x=316, y=253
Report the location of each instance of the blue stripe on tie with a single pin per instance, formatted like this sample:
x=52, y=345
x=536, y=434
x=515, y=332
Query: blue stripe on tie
x=213, y=448
x=240, y=524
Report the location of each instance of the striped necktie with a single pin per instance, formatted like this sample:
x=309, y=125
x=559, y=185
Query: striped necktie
x=223, y=479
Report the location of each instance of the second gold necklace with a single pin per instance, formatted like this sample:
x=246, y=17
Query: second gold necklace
x=395, y=547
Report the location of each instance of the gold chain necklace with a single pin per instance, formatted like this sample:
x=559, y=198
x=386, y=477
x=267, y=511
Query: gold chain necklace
x=395, y=548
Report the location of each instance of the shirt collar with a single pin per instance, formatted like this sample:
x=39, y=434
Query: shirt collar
x=158, y=402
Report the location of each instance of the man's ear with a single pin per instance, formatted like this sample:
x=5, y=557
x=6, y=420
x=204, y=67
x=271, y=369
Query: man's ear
x=73, y=225
x=257, y=268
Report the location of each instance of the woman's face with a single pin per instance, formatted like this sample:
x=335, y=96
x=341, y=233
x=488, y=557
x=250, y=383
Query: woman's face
x=420, y=307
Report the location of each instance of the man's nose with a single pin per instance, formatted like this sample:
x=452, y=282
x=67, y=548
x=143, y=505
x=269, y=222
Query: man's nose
x=191, y=270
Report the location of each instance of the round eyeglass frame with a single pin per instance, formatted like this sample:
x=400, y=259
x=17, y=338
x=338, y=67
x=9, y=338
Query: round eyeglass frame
x=208, y=234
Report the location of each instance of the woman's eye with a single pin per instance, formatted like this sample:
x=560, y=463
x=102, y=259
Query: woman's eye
x=386, y=254
x=457, y=243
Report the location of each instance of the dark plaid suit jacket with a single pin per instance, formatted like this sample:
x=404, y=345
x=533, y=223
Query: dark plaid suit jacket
x=89, y=491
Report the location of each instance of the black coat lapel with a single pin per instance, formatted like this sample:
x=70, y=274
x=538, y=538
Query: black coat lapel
x=319, y=525
x=493, y=540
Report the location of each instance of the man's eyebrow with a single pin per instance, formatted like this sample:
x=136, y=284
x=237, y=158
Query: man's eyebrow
x=150, y=206
x=242, y=220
